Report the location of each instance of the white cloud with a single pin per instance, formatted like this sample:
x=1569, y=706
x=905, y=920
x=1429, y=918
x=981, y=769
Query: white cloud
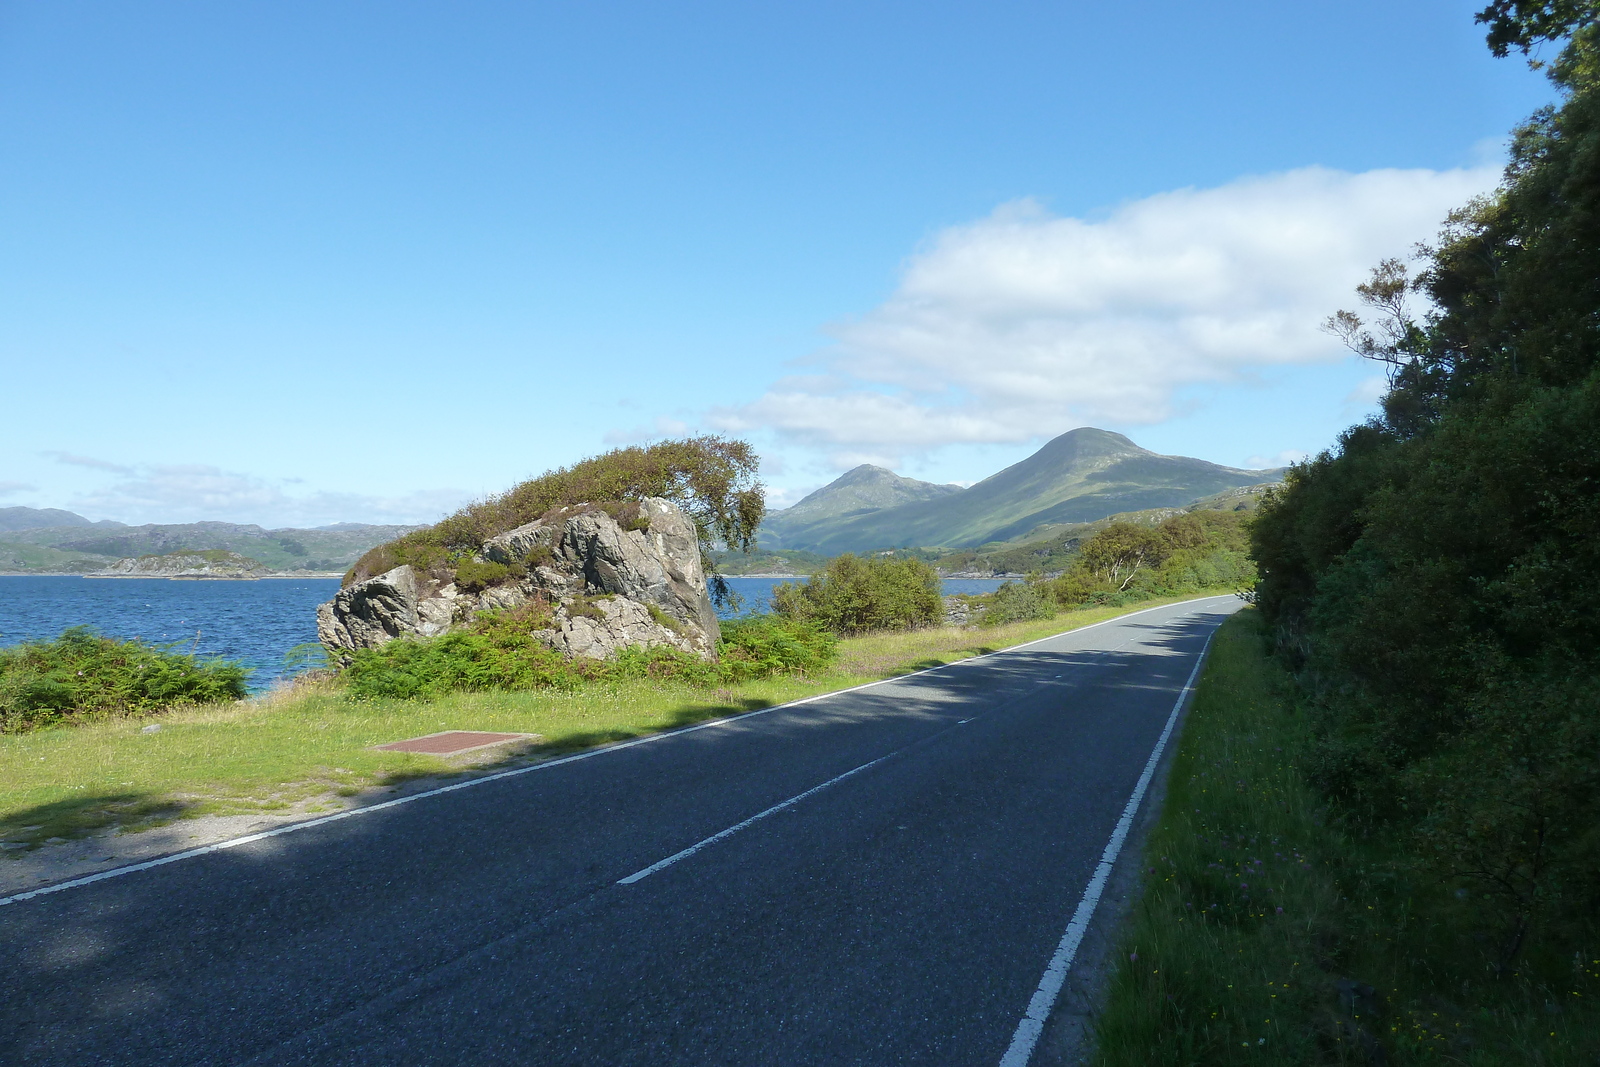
x=72, y=459
x=1282, y=459
x=1368, y=392
x=661, y=427
x=7, y=488
x=195, y=492
x=1026, y=324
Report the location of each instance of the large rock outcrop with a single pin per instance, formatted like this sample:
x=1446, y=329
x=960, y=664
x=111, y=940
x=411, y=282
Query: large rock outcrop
x=611, y=578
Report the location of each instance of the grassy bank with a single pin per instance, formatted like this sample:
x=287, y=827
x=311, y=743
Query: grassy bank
x=305, y=747
x=1266, y=934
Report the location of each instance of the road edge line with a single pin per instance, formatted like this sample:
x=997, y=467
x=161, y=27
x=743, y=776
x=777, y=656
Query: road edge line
x=1031, y=1026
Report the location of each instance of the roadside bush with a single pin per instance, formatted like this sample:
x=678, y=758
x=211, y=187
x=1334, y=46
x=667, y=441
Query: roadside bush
x=853, y=595
x=81, y=675
x=1432, y=579
x=1017, y=601
x=500, y=652
x=765, y=645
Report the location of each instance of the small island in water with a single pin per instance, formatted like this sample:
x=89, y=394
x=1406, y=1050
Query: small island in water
x=208, y=563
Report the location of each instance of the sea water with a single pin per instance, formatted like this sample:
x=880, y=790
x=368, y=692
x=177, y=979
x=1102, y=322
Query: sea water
x=254, y=622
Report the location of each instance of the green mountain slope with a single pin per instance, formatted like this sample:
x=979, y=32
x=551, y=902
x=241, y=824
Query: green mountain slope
x=1051, y=547
x=18, y=518
x=1083, y=475
x=857, y=492
x=76, y=549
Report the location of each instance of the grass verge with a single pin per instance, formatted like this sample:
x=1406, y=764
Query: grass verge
x=1268, y=934
x=300, y=749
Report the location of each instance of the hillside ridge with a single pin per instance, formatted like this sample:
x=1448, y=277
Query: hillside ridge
x=1080, y=476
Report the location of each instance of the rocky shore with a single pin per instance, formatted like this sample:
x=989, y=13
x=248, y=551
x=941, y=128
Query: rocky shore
x=216, y=564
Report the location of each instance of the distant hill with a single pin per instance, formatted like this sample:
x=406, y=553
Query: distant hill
x=12, y=519
x=1083, y=475
x=211, y=563
x=1051, y=547
x=856, y=492
x=79, y=548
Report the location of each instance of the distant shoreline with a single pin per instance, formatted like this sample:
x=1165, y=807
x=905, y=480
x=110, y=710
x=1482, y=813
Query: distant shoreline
x=173, y=578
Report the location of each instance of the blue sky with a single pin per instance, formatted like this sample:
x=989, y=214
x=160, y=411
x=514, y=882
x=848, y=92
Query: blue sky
x=299, y=263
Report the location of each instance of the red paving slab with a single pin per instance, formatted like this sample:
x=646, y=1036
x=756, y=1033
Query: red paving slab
x=450, y=742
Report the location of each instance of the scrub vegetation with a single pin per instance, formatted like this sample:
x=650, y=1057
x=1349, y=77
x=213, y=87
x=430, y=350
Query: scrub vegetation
x=859, y=594
x=82, y=677
x=498, y=651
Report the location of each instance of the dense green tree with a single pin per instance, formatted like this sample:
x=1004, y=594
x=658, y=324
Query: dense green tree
x=1433, y=578
x=855, y=594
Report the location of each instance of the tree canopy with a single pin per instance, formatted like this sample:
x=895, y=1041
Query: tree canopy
x=1432, y=579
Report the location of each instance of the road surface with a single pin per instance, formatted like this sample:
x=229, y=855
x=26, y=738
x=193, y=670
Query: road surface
x=902, y=910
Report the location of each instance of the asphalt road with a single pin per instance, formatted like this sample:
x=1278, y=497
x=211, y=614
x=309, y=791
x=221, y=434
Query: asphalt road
x=902, y=914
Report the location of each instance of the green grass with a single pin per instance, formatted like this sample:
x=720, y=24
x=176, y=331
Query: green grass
x=303, y=746
x=1266, y=934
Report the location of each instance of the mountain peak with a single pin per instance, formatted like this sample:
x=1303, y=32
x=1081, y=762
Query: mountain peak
x=1084, y=474
x=860, y=490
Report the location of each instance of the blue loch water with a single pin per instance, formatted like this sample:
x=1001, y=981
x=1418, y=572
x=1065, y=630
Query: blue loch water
x=253, y=622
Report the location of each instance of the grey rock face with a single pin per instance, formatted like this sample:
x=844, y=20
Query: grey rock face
x=608, y=588
x=957, y=612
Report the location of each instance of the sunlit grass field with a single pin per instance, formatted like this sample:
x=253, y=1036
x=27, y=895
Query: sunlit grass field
x=306, y=745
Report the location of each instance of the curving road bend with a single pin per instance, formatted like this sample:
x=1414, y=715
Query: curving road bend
x=880, y=876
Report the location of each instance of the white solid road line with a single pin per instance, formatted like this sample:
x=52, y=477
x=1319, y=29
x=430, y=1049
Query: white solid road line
x=1044, y=998
x=133, y=868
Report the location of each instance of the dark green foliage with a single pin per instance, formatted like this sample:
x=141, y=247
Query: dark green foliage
x=501, y=651
x=491, y=658
x=1015, y=602
x=855, y=594
x=81, y=675
x=1434, y=579
x=759, y=646
x=1262, y=912
x=712, y=479
x=1525, y=24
